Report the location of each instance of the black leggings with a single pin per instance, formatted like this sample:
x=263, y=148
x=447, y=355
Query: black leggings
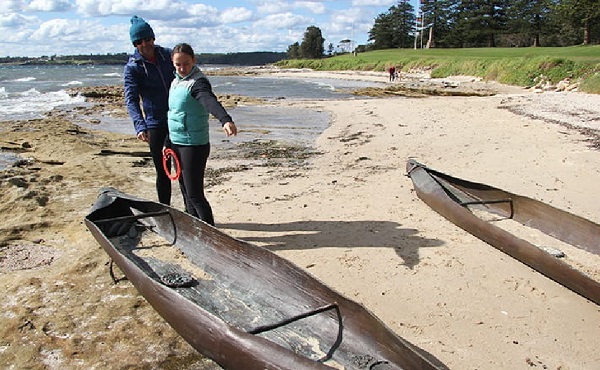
x=156, y=139
x=193, y=165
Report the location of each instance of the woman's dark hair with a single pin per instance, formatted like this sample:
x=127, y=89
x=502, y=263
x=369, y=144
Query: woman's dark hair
x=183, y=48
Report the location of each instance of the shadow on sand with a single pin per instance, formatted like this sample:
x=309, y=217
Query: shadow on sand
x=303, y=235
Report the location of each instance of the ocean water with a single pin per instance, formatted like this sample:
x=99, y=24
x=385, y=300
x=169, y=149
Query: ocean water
x=28, y=92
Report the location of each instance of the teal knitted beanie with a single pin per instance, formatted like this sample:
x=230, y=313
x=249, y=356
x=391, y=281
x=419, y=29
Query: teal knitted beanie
x=139, y=29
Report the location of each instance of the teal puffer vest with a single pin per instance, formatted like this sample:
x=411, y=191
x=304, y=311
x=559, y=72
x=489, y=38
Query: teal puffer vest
x=187, y=117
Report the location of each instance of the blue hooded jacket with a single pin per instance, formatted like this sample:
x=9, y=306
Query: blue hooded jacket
x=151, y=83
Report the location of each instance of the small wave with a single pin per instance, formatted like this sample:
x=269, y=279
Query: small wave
x=72, y=83
x=325, y=85
x=209, y=67
x=112, y=75
x=25, y=79
x=3, y=93
x=30, y=92
x=33, y=104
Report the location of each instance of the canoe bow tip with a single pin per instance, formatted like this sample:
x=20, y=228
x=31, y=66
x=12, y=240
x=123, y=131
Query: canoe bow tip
x=411, y=165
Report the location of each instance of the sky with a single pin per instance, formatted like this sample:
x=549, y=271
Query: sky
x=34, y=28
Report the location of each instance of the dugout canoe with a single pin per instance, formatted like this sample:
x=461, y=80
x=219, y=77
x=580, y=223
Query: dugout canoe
x=459, y=201
x=239, y=304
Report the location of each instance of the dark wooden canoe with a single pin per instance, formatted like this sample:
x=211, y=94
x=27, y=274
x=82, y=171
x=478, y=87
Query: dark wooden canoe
x=453, y=197
x=239, y=304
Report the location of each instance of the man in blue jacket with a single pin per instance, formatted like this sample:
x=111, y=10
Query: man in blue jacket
x=147, y=76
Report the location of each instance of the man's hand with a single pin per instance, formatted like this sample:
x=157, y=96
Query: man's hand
x=143, y=136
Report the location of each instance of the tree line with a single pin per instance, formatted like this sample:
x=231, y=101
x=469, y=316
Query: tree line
x=485, y=23
x=470, y=24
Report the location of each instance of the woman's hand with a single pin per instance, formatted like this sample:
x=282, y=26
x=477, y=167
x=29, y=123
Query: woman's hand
x=230, y=129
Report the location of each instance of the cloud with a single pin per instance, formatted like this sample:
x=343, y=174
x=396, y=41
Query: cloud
x=56, y=28
x=49, y=6
x=373, y=2
x=11, y=6
x=346, y=24
x=157, y=9
x=93, y=8
x=313, y=6
x=82, y=37
x=201, y=10
x=282, y=21
x=235, y=15
x=15, y=30
x=272, y=7
x=13, y=22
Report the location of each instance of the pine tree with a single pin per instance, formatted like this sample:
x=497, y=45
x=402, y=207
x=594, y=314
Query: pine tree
x=528, y=21
x=584, y=14
x=438, y=20
x=293, y=51
x=312, y=44
x=395, y=28
x=478, y=22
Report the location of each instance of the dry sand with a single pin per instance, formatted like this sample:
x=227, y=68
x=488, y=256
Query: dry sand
x=348, y=215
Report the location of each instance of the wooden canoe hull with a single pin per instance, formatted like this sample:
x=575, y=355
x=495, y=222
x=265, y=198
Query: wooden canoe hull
x=449, y=196
x=252, y=309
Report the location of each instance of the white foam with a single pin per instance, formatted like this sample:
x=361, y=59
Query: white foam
x=33, y=104
x=324, y=85
x=72, y=83
x=30, y=92
x=25, y=79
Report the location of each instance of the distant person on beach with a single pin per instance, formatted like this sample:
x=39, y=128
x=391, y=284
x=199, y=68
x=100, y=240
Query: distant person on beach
x=392, y=72
x=191, y=100
x=148, y=75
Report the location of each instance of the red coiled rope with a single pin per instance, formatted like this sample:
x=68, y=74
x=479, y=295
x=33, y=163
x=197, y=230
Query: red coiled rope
x=170, y=154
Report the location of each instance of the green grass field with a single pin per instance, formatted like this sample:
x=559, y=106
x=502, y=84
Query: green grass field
x=513, y=66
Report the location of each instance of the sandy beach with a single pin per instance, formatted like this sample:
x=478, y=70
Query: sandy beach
x=347, y=214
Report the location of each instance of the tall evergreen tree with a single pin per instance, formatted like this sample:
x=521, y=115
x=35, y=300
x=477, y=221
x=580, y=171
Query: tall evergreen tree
x=395, y=28
x=312, y=44
x=479, y=22
x=438, y=19
x=529, y=21
x=382, y=33
x=293, y=51
x=583, y=14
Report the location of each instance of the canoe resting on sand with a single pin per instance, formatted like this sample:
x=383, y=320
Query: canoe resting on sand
x=459, y=201
x=239, y=304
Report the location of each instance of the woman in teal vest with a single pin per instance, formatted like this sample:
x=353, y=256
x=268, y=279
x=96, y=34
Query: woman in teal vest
x=191, y=100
